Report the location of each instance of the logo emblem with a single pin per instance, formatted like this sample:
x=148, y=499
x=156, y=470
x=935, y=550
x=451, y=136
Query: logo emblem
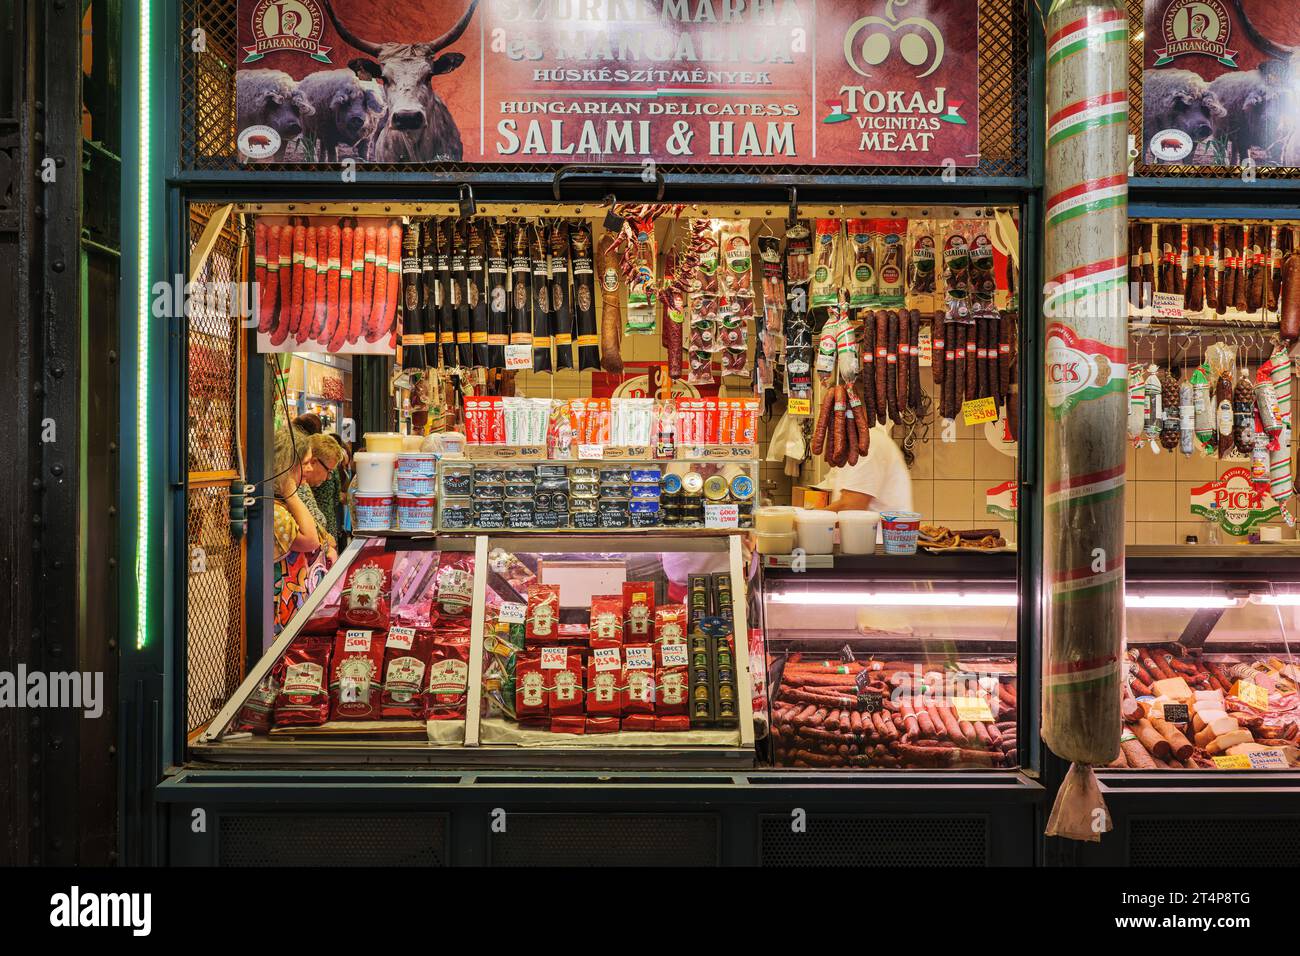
x=1079, y=370
x=1196, y=26
x=1236, y=502
x=294, y=25
x=1171, y=145
x=259, y=142
x=869, y=41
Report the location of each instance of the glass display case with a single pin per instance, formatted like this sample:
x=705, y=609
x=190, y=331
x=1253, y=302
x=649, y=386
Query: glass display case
x=536, y=649
x=1211, y=680
x=892, y=662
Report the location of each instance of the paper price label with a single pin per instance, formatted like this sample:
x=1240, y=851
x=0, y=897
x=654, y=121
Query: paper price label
x=401, y=638
x=871, y=702
x=519, y=357
x=925, y=347
x=357, y=640
x=639, y=658
x=1167, y=305
x=1232, y=762
x=825, y=362
x=721, y=516
x=555, y=658
x=1175, y=713
x=674, y=655
x=799, y=406
x=591, y=452
x=1267, y=760
x=979, y=410
x=512, y=613
x=606, y=658
x=972, y=709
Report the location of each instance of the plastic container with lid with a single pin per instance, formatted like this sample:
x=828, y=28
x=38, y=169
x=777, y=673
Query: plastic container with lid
x=417, y=463
x=445, y=444
x=778, y=542
x=384, y=441
x=415, y=512
x=774, y=519
x=375, y=472
x=412, y=442
x=900, y=530
x=815, y=531
x=374, y=512
x=858, y=532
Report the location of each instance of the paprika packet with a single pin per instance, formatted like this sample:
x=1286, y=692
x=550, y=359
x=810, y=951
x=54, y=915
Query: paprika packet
x=406, y=659
x=604, y=676
x=255, y=716
x=454, y=584
x=562, y=670
x=606, y=618
x=638, y=611
x=670, y=624
x=355, y=682
x=365, y=600
x=304, y=699
x=672, y=679
x=447, y=688
x=530, y=688
x=638, y=686
x=542, y=616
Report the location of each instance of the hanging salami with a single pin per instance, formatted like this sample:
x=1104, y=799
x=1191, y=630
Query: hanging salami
x=521, y=286
x=584, y=296
x=557, y=241
x=412, y=316
x=498, y=293
x=539, y=253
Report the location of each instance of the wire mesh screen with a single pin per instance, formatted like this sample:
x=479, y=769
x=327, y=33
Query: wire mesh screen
x=1171, y=170
x=215, y=631
x=207, y=121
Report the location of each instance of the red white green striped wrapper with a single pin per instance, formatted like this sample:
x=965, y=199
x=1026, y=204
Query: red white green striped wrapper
x=1086, y=376
x=1281, y=480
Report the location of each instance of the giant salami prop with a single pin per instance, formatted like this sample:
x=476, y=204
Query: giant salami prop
x=1086, y=374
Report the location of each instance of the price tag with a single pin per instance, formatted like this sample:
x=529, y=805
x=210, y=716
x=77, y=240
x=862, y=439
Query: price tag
x=721, y=516
x=1167, y=305
x=979, y=410
x=1251, y=693
x=799, y=406
x=825, y=362
x=972, y=709
x=519, y=357
x=555, y=658
x=591, y=452
x=925, y=346
x=674, y=655
x=512, y=613
x=356, y=640
x=1175, y=713
x=1271, y=759
x=606, y=658
x=401, y=638
x=1232, y=762
x=871, y=702
x=639, y=658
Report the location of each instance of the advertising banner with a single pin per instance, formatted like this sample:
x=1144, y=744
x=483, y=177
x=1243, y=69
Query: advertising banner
x=686, y=82
x=1221, y=84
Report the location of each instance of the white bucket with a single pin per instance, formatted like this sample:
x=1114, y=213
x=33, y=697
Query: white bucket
x=858, y=532
x=815, y=531
x=375, y=472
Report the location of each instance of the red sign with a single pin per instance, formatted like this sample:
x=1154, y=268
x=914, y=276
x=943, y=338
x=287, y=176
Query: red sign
x=634, y=382
x=758, y=82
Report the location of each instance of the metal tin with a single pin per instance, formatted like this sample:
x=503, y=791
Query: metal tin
x=715, y=488
x=742, y=487
x=692, y=483
x=672, y=483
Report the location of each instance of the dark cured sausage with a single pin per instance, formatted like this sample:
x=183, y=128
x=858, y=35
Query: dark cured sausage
x=823, y=422
x=1290, y=317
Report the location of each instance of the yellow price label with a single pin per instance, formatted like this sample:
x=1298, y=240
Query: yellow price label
x=1232, y=762
x=799, y=406
x=972, y=709
x=1252, y=694
x=979, y=410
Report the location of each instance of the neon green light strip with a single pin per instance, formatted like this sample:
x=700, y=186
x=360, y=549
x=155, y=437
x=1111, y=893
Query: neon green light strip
x=143, y=70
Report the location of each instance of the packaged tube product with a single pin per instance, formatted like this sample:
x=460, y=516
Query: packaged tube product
x=539, y=253
x=890, y=236
x=521, y=286
x=641, y=293
x=557, y=238
x=825, y=267
x=412, y=313
x=498, y=294
x=584, y=296
x=445, y=298
x=861, y=239
x=460, y=294
x=736, y=269
x=920, y=266
x=476, y=291
x=956, y=270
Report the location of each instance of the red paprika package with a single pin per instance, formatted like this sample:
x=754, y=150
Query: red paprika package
x=638, y=612
x=454, y=584
x=638, y=692
x=562, y=672
x=604, y=676
x=356, y=685
x=672, y=679
x=602, y=725
x=674, y=724
x=530, y=687
x=304, y=699
x=366, y=590
x=670, y=624
x=642, y=722
x=255, y=716
x=406, y=659
x=606, y=619
x=576, y=724
x=542, y=617
x=448, y=685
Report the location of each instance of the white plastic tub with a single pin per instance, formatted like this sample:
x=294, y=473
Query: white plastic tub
x=815, y=531
x=858, y=532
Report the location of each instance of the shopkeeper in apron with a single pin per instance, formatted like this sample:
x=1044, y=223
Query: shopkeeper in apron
x=879, y=481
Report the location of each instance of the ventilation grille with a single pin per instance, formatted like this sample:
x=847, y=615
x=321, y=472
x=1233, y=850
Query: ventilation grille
x=335, y=839
x=877, y=841
x=1197, y=841
x=615, y=839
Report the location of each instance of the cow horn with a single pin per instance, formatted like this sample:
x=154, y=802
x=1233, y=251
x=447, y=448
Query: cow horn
x=365, y=46
x=1272, y=48
x=452, y=35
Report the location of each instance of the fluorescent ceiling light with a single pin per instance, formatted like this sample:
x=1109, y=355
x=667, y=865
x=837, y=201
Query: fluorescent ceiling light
x=897, y=598
x=1190, y=601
